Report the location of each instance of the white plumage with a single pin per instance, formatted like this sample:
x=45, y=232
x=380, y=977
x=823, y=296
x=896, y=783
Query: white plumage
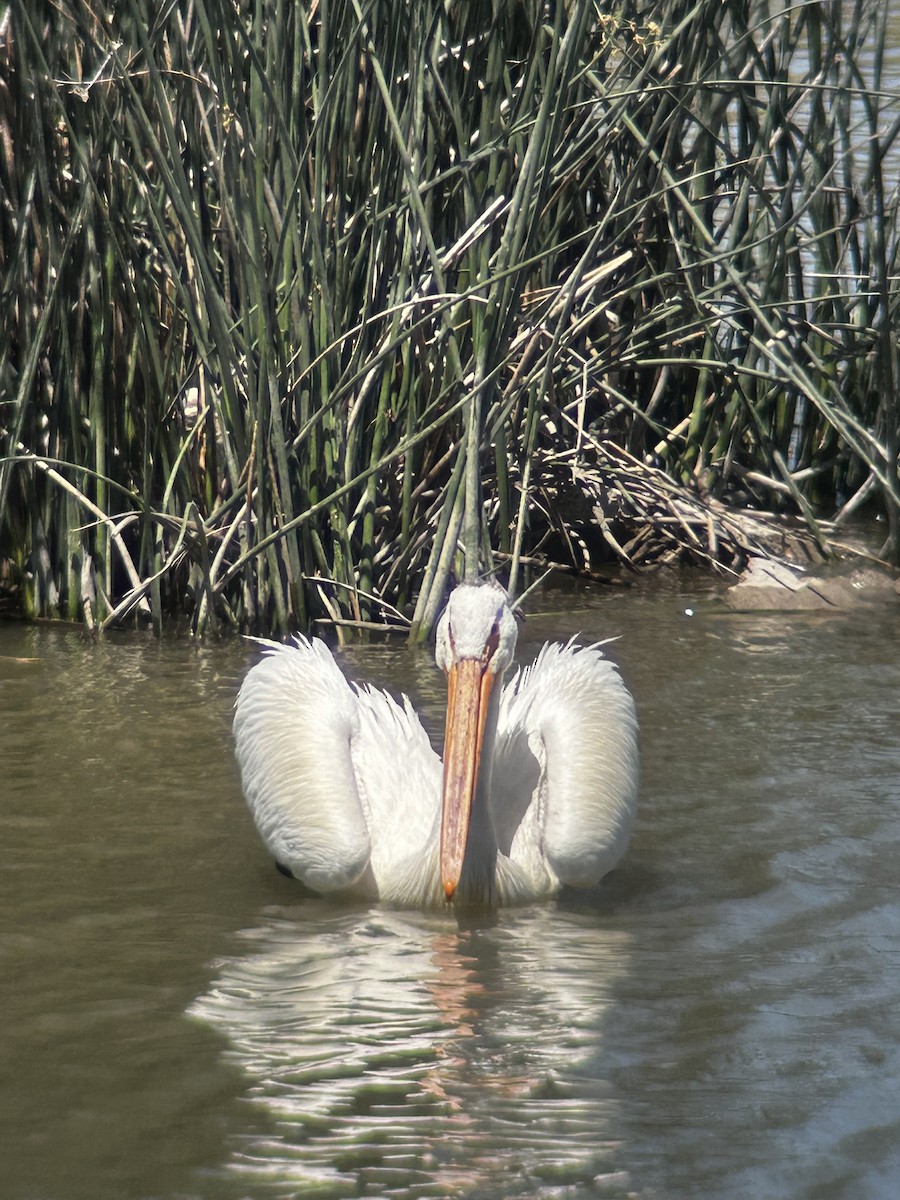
x=539, y=789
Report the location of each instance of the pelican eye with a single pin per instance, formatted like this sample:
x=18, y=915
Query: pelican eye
x=490, y=648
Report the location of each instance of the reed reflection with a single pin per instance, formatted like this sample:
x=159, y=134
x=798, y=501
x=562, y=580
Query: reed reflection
x=399, y=1051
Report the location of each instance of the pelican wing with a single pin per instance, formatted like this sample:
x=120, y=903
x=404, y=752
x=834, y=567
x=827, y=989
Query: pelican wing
x=399, y=776
x=566, y=768
x=338, y=779
x=295, y=719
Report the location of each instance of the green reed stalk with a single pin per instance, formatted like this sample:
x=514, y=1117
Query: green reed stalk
x=286, y=289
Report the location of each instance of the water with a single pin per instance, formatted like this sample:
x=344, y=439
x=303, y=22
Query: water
x=720, y=1019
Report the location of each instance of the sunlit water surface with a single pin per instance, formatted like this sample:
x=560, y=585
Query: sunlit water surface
x=720, y=1019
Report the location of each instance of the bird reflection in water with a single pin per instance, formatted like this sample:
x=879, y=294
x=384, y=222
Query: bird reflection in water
x=394, y=1051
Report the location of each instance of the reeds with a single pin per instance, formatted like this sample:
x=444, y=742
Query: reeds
x=273, y=271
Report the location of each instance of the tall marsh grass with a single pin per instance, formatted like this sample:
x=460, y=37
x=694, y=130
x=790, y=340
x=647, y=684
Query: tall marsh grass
x=286, y=285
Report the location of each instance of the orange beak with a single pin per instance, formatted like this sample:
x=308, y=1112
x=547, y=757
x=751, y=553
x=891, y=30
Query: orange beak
x=469, y=686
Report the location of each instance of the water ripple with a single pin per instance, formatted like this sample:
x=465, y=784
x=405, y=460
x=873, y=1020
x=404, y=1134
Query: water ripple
x=398, y=1054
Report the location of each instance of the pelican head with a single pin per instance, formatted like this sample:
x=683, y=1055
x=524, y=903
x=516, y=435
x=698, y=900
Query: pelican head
x=476, y=640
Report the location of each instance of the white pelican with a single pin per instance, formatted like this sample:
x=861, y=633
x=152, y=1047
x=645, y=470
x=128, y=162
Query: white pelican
x=539, y=783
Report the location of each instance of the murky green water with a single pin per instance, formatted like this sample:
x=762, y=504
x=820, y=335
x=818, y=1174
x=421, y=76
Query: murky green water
x=722, y=1019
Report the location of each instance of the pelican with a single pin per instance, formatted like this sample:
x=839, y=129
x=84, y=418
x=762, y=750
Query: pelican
x=537, y=790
